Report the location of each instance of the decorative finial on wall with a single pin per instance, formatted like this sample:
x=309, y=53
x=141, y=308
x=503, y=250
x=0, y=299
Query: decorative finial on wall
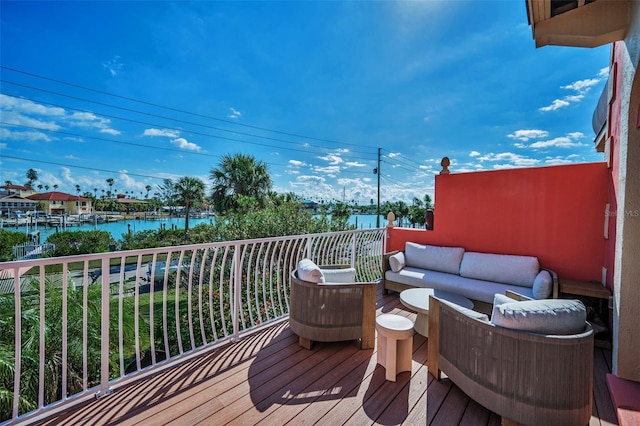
x=391, y=217
x=445, y=166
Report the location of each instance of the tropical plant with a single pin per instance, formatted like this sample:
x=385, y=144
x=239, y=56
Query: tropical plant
x=53, y=331
x=8, y=239
x=70, y=243
x=239, y=175
x=189, y=191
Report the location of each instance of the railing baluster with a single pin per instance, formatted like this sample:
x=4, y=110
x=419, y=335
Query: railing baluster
x=235, y=286
x=42, y=335
x=104, y=332
x=205, y=254
x=17, y=341
x=85, y=322
x=190, y=298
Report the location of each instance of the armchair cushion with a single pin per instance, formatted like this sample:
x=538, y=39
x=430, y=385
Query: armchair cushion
x=339, y=276
x=542, y=285
x=309, y=271
x=397, y=262
x=548, y=316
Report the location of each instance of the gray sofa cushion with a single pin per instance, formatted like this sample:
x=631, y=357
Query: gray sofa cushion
x=501, y=268
x=549, y=316
x=483, y=291
x=435, y=258
x=542, y=285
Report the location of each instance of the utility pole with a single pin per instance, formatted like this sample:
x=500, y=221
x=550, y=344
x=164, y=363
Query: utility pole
x=377, y=171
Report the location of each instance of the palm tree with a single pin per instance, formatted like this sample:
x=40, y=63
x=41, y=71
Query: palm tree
x=148, y=188
x=55, y=186
x=238, y=175
x=32, y=176
x=189, y=192
x=110, y=183
x=46, y=187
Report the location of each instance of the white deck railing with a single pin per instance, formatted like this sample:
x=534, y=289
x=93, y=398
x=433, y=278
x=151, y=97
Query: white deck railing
x=81, y=324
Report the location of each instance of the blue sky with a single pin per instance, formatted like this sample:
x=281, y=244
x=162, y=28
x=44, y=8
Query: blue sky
x=142, y=91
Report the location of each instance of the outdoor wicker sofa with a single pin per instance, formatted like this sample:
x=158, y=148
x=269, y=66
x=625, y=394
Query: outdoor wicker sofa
x=477, y=276
x=333, y=311
x=526, y=377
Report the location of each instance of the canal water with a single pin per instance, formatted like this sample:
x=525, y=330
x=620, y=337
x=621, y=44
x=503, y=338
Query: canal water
x=117, y=229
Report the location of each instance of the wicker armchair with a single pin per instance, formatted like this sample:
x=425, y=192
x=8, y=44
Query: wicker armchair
x=526, y=378
x=332, y=312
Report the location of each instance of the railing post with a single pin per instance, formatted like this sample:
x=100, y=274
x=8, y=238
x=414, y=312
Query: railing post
x=104, y=334
x=236, y=293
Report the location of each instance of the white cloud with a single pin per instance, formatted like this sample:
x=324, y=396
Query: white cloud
x=555, y=105
x=311, y=179
x=515, y=160
x=170, y=133
x=526, y=134
x=582, y=86
x=29, y=136
x=11, y=103
x=560, y=142
x=573, y=98
x=474, y=154
x=333, y=159
x=354, y=164
x=393, y=154
x=89, y=119
x=329, y=170
x=113, y=66
x=296, y=163
x=604, y=72
x=235, y=114
x=185, y=144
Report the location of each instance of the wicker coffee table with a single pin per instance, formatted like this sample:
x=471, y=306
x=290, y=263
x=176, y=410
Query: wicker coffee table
x=417, y=299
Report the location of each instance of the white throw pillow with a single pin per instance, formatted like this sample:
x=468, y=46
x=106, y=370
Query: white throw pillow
x=339, y=276
x=548, y=316
x=542, y=285
x=309, y=271
x=397, y=261
x=434, y=258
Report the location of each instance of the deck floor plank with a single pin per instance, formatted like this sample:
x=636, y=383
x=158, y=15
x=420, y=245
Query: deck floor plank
x=267, y=379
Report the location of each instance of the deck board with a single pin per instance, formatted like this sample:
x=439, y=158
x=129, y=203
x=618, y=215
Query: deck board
x=267, y=379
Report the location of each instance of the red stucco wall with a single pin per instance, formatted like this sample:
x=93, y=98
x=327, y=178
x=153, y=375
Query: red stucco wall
x=555, y=213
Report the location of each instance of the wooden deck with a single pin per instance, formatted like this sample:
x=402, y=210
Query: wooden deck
x=266, y=378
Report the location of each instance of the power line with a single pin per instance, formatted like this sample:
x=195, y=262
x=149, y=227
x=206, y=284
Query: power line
x=160, y=125
x=177, y=109
x=148, y=114
x=137, y=145
x=81, y=167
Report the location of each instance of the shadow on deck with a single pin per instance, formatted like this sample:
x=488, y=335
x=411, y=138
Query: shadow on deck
x=266, y=378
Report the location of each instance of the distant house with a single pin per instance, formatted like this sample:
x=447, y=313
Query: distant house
x=61, y=203
x=19, y=190
x=14, y=202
